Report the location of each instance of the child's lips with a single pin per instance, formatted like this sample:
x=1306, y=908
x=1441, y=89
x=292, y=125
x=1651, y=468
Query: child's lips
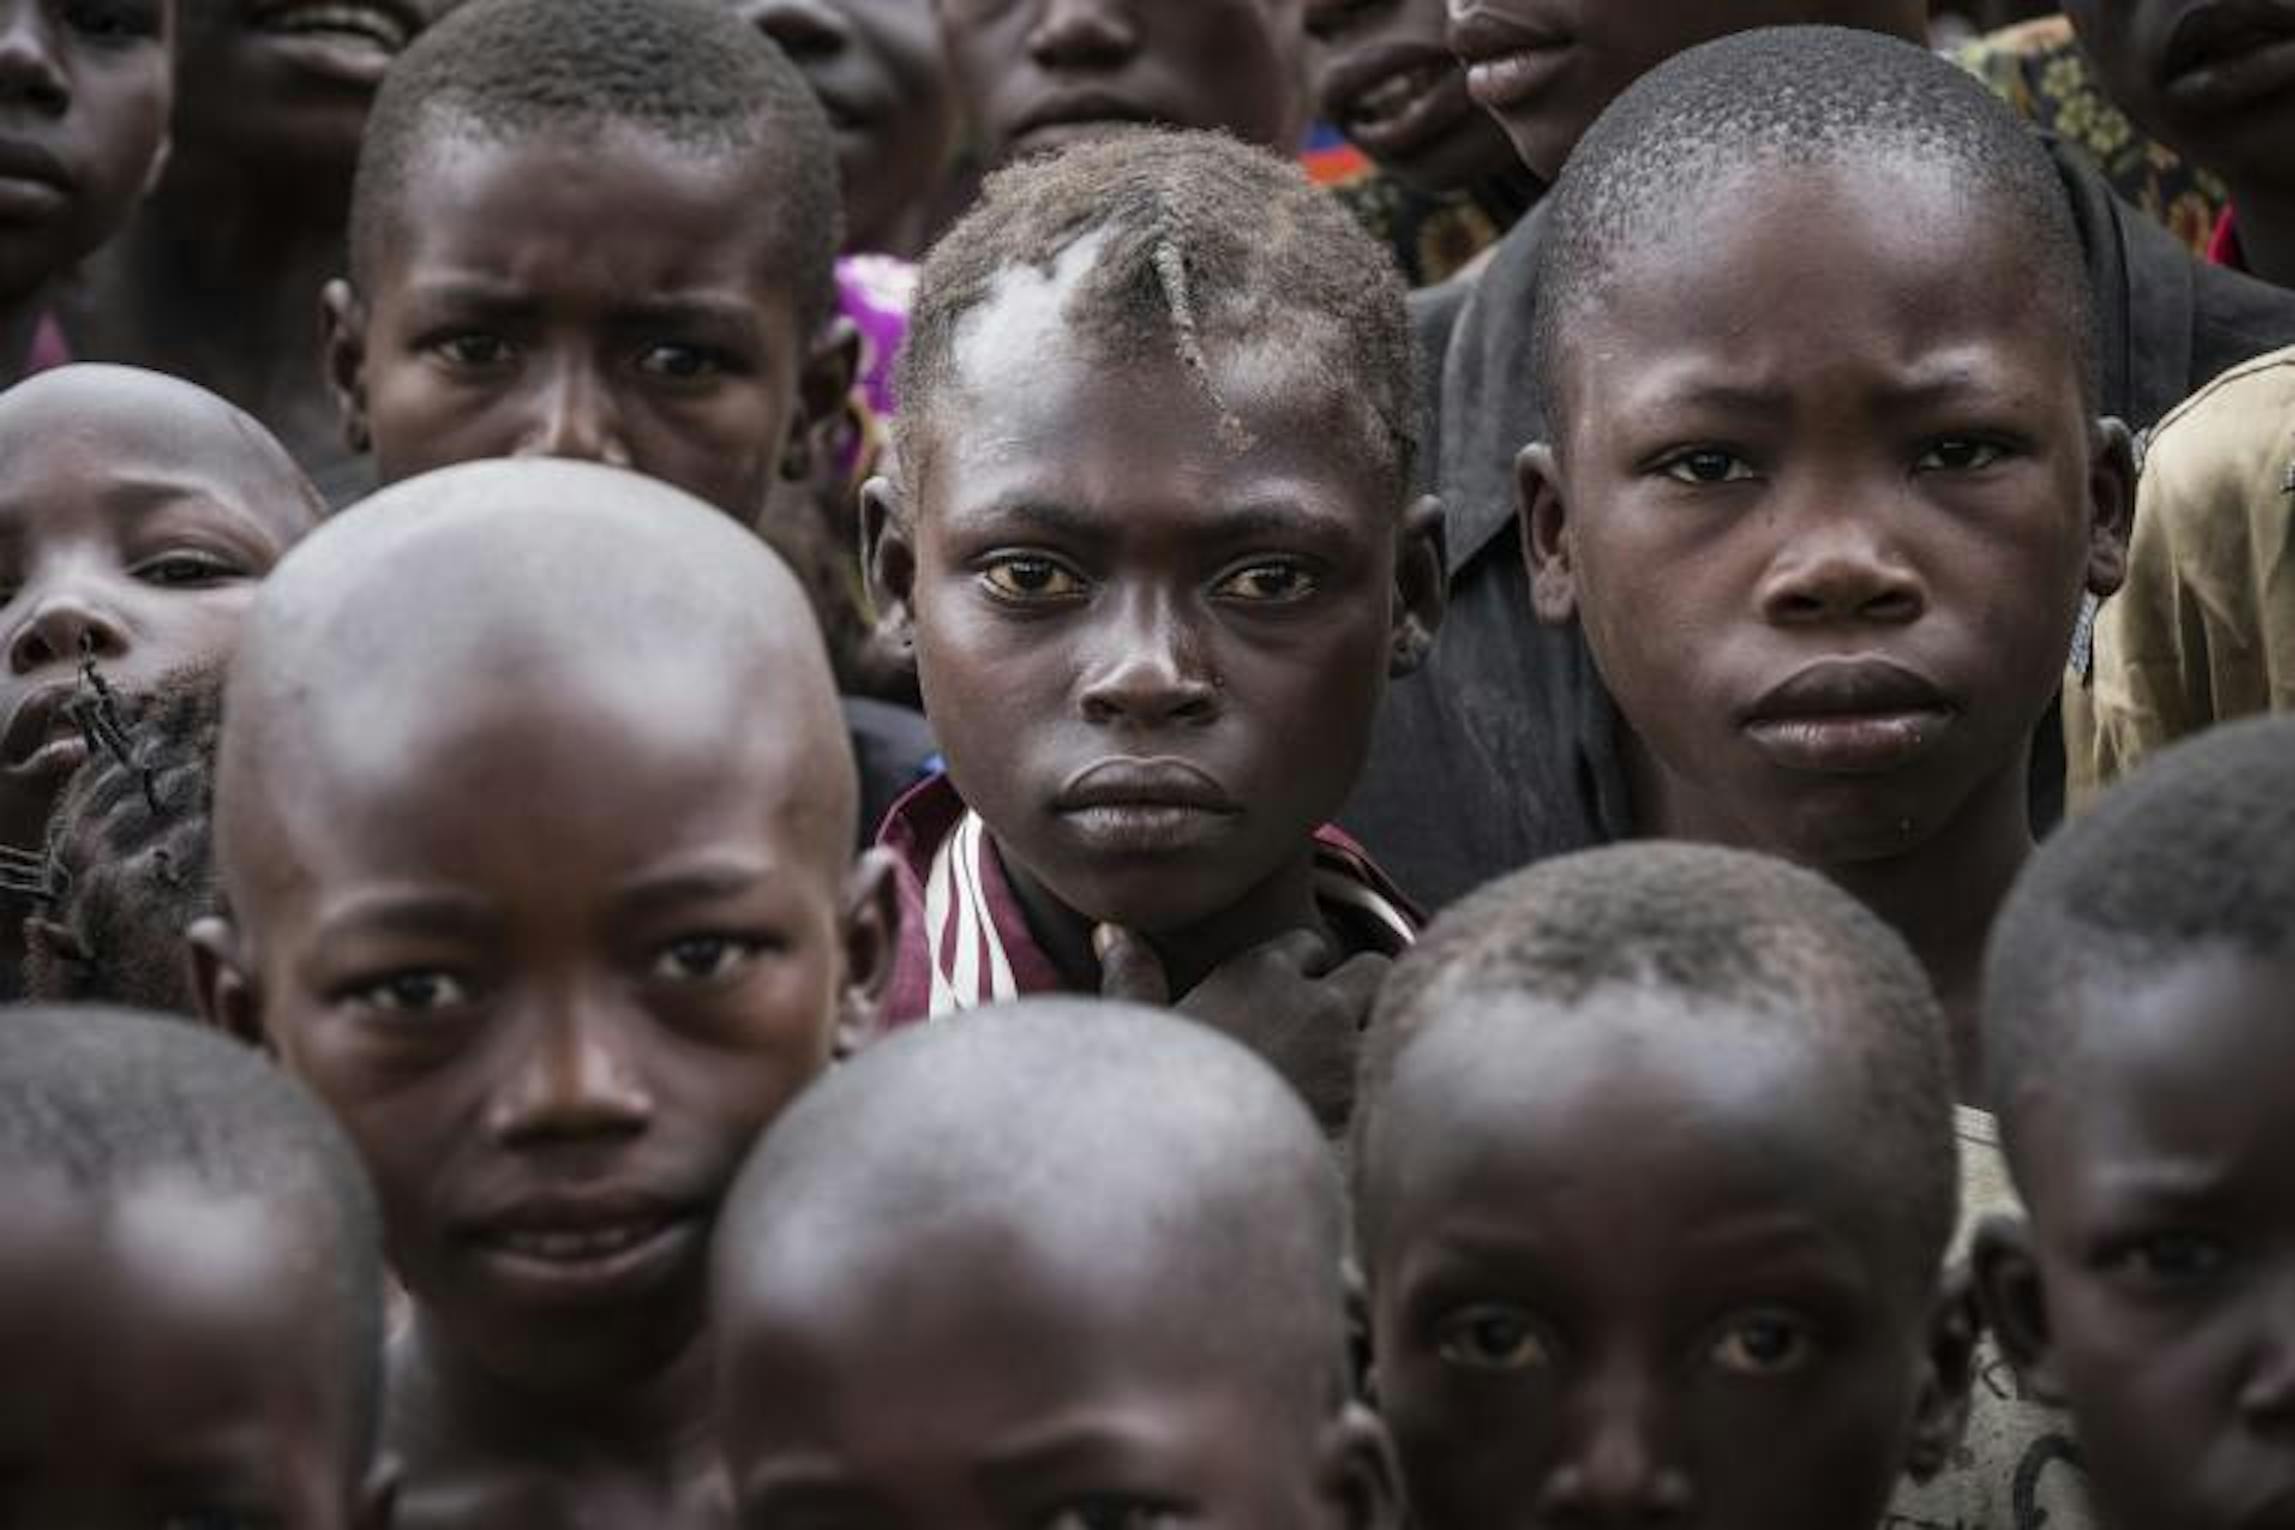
x=1849, y=717
x=40, y=733
x=1125, y=805
x=2229, y=54
x=585, y=1248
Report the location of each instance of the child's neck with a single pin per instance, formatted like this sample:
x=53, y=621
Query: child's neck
x=1940, y=895
x=217, y=279
x=1281, y=902
x=482, y=1448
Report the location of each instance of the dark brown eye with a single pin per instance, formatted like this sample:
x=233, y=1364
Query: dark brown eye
x=1491, y=1338
x=1021, y=577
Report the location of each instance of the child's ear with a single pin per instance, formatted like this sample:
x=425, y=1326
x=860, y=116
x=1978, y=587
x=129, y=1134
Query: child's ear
x=1422, y=586
x=824, y=390
x=871, y=923
x=2112, y=505
x=229, y=999
x=343, y=318
x=2016, y=1303
x=52, y=950
x=1948, y=1378
x=1545, y=522
x=888, y=557
x=1359, y=1471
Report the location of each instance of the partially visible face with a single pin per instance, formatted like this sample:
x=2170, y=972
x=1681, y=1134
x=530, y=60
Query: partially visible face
x=552, y=1063
x=1385, y=76
x=1547, y=68
x=1035, y=75
x=172, y=1360
x=1629, y=1271
x=1825, y=501
x=878, y=68
x=1152, y=654
x=2159, y=1169
x=975, y=1380
x=284, y=85
x=131, y=535
x=89, y=87
x=507, y=319
x=2215, y=80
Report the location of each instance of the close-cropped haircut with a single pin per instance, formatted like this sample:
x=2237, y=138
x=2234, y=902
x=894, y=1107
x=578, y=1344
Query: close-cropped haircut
x=1793, y=99
x=1719, y=928
x=1204, y=243
x=2192, y=854
x=130, y=860
x=689, y=71
x=112, y=1100
x=1104, y=1121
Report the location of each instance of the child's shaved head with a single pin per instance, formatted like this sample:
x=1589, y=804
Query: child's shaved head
x=1686, y=132
x=193, y=1275
x=1136, y=1207
x=141, y=416
x=516, y=574
x=2193, y=856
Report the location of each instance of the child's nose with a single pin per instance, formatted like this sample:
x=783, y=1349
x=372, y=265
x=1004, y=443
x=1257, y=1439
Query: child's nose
x=806, y=29
x=572, y=1083
x=31, y=74
x=1840, y=567
x=576, y=417
x=65, y=626
x=1616, y=1471
x=1084, y=33
x=1148, y=671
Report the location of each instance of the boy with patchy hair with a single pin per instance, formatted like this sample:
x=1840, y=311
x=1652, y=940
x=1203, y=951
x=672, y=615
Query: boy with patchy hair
x=2139, y=1050
x=1124, y=1305
x=191, y=1291
x=1505, y=748
x=1154, y=549
x=535, y=834
x=1654, y=1180
x=1857, y=465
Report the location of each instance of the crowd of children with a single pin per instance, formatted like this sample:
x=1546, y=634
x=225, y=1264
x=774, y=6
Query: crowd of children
x=907, y=765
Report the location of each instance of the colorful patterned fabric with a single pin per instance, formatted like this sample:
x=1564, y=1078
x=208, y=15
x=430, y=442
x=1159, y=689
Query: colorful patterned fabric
x=2223, y=249
x=964, y=938
x=875, y=292
x=1433, y=238
x=2038, y=68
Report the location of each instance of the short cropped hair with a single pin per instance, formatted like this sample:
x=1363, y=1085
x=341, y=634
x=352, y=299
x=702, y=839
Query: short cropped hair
x=688, y=70
x=1714, y=926
x=110, y=1099
x=1207, y=242
x=1793, y=97
x=2194, y=852
x=1111, y=1120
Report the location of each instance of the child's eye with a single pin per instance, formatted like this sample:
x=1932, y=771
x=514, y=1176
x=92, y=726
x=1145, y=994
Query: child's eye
x=680, y=363
x=1706, y=465
x=1762, y=1346
x=1267, y=583
x=2171, y=1259
x=1021, y=577
x=187, y=569
x=114, y=20
x=1111, y=1513
x=413, y=993
x=704, y=958
x=1491, y=1339
x=473, y=350
x=1960, y=454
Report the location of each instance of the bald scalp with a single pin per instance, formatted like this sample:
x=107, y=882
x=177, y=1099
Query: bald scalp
x=135, y=417
x=1076, y=1130
x=528, y=579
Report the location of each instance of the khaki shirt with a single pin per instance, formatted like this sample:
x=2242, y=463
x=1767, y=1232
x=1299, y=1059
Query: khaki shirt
x=2204, y=632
